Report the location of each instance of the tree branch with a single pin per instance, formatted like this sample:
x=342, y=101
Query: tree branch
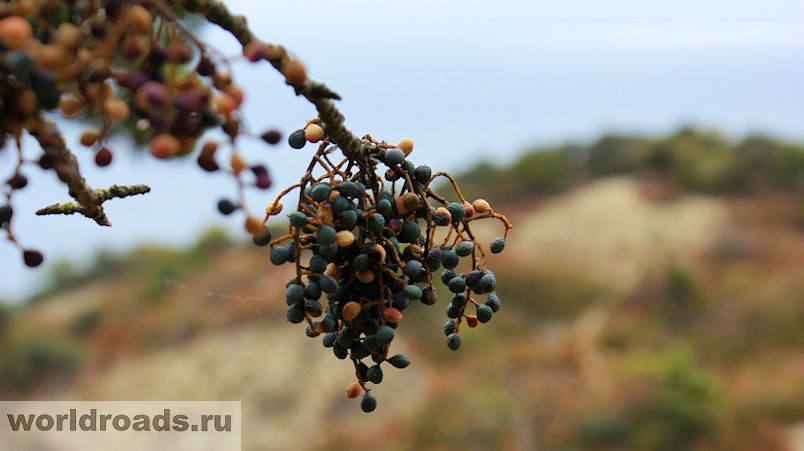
x=317, y=93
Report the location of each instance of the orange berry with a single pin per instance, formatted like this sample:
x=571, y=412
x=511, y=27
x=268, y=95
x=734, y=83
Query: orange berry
x=366, y=276
x=254, y=226
x=68, y=35
x=314, y=133
x=14, y=31
x=89, y=137
x=295, y=73
x=471, y=320
x=164, y=146
x=255, y=51
x=353, y=390
x=392, y=315
x=50, y=56
x=333, y=271
x=274, y=208
x=406, y=145
x=468, y=209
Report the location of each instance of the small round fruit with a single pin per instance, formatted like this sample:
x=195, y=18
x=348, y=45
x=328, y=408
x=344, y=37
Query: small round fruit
x=32, y=258
x=399, y=361
x=297, y=140
x=457, y=284
x=103, y=157
x=394, y=156
x=406, y=145
x=457, y=210
x=368, y=404
x=353, y=390
x=139, y=19
x=493, y=302
x=464, y=248
x=14, y=31
x=226, y=207
x=320, y=192
x=262, y=239
x=344, y=238
x=484, y=313
x=350, y=310
x=164, y=146
x=271, y=136
x=294, y=72
x=497, y=245
x=454, y=341
x=481, y=206
x=116, y=109
x=294, y=294
x=313, y=133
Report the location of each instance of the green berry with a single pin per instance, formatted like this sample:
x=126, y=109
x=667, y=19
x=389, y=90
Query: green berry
x=376, y=222
x=348, y=220
x=487, y=284
x=454, y=341
x=473, y=279
x=280, y=255
x=410, y=232
x=340, y=204
x=447, y=275
x=497, y=245
x=352, y=189
x=360, y=262
x=384, y=207
x=449, y=327
x=318, y=264
x=423, y=174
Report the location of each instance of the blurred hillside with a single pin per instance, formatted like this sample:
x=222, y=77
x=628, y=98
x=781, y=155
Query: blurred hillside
x=651, y=299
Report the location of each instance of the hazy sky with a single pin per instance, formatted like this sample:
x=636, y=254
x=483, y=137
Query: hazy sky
x=466, y=80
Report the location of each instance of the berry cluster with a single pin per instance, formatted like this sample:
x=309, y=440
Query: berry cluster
x=125, y=65
x=365, y=247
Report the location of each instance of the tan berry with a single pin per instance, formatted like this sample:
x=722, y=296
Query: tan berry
x=225, y=104
x=273, y=208
x=380, y=251
x=139, y=19
x=333, y=271
x=254, y=226
x=70, y=106
x=68, y=36
x=410, y=201
x=26, y=102
x=89, y=138
x=164, y=146
x=406, y=145
x=481, y=206
x=295, y=73
x=116, y=109
x=238, y=165
x=344, y=238
x=14, y=31
x=50, y=56
x=314, y=133
x=135, y=46
x=350, y=310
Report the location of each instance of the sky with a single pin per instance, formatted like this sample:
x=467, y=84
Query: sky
x=467, y=81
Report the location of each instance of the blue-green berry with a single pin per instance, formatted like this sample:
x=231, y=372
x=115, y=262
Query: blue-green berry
x=385, y=334
x=449, y=259
x=457, y=284
x=340, y=204
x=368, y=403
x=318, y=264
x=493, y=301
x=454, y=341
x=376, y=222
x=457, y=211
x=394, y=156
x=329, y=339
x=297, y=139
x=484, y=313
x=328, y=283
x=464, y=248
x=340, y=352
x=487, y=284
x=412, y=292
x=449, y=327
x=352, y=189
x=297, y=219
x=326, y=235
x=447, y=275
x=320, y=192
x=374, y=374
x=384, y=207
x=412, y=269
x=348, y=219
x=410, y=232
x=360, y=262
x=263, y=239
x=453, y=311
x=497, y=245
x=280, y=255
x=473, y=279
x=423, y=173
x=294, y=294
x=399, y=361
x=295, y=313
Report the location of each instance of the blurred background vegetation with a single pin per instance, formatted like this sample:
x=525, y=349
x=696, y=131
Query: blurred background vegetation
x=651, y=294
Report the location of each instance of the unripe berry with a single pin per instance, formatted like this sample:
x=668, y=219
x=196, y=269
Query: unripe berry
x=392, y=315
x=457, y=211
x=115, y=109
x=394, y=156
x=314, y=133
x=471, y=320
x=497, y=245
x=470, y=210
x=206, y=158
x=262, y=239
x=366, y=276
x=68, y=35
x=70, y=106
x=89, y=138
x=454, y=341
x=464, y=248
x=253, y=225
x=481, y=206
x=273, y=208
x=406, y=145
x=344, y=238
x=399, y=360
x=484, y=313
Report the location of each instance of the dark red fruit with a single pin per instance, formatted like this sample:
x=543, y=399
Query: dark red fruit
x=32, y=258
x=103, y=157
